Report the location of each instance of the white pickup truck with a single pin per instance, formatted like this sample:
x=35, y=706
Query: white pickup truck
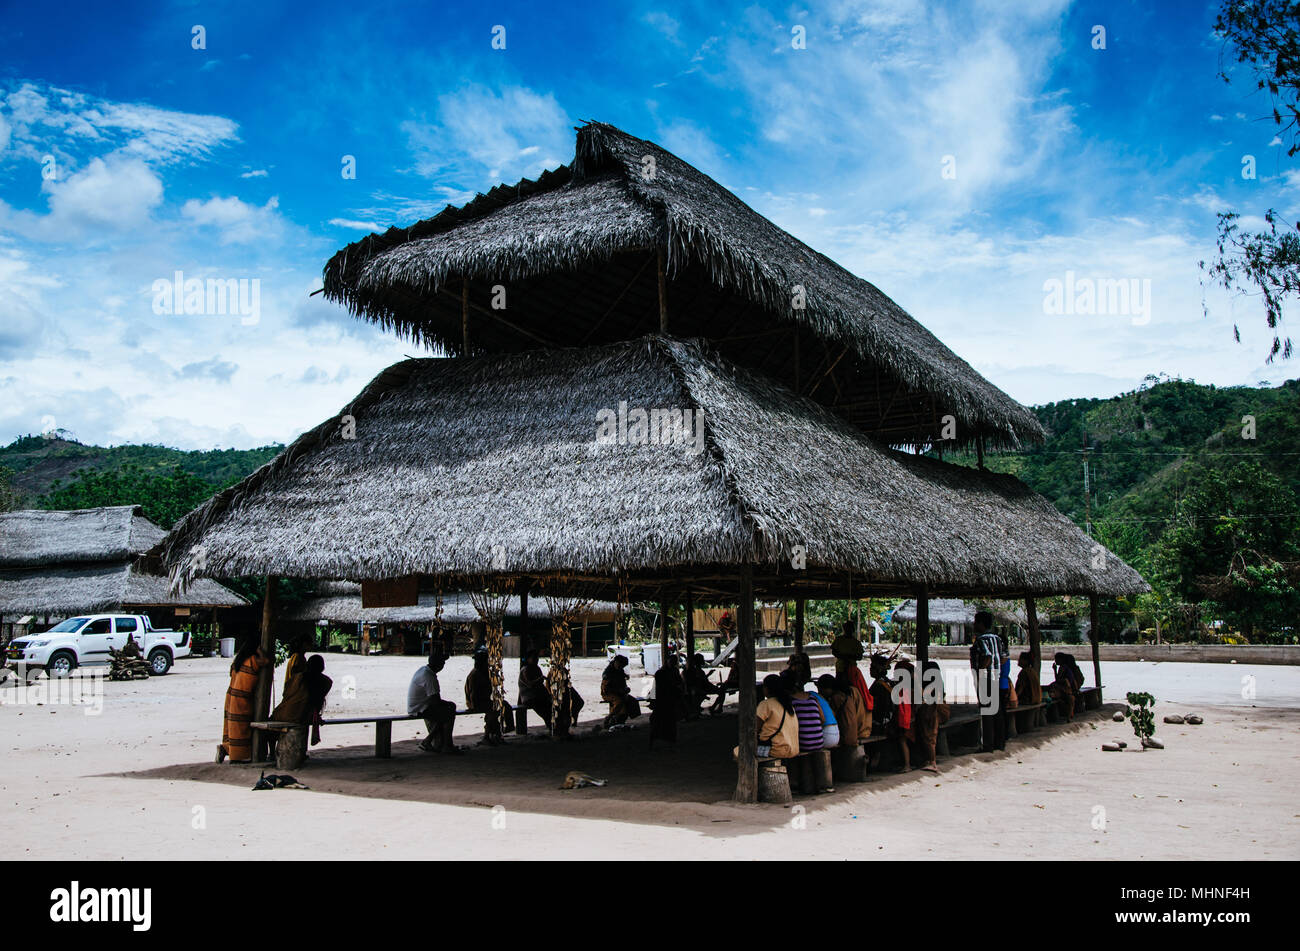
x=84, y=641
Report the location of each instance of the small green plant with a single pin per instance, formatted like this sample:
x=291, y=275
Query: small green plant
x=203, y=644
x=1141, y=713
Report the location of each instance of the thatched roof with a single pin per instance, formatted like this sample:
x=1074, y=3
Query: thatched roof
x=956, y=611
x=577, y=253
x=66, y=562
x=341, y=601
x=35, y=537
x=490, y=466
x=942, y=611
x=63, y=590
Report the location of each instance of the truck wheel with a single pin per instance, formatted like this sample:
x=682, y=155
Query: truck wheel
x=159, y=661
x=61, y=664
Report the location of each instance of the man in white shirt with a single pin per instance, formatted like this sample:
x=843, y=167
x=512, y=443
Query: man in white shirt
x=424, y=699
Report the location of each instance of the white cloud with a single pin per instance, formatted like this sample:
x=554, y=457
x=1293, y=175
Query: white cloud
x=483, y=136
x=356, y=225
x=237, y=221
x=47, y=118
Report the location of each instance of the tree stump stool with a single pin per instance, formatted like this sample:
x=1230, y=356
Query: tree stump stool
x=773, y=782
x=849, y=764
x=823, y=780
x=291, y=749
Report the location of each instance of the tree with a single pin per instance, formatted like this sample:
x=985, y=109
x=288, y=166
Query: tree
x=8, y=494
x=1233, y=538
x=164, y=494
x=1264, y=36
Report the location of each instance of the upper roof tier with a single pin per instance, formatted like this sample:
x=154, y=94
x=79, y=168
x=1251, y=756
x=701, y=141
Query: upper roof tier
x=577, y=252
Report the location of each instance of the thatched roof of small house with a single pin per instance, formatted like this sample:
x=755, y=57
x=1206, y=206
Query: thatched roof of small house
x=576, y=251
x=67, y=562
x=341, y=601
x=957, y=611
x=491, y=466
x=34, y=537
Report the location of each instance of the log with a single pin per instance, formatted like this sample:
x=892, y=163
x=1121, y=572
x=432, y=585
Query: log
x=291, y=749
x=823, y=779
x=774, y=783
x=849, y=764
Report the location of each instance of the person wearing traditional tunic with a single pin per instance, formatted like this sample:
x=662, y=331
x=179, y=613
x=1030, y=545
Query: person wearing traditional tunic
x=615, y=691
x=904, y=723
x=237, y=731
x=1028, y=688
x=931, y=713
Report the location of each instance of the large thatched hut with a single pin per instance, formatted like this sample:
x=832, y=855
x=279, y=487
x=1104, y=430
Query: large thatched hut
x=54, y=564
x=653, y=393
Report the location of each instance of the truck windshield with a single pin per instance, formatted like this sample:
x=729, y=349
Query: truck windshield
x=68, y=626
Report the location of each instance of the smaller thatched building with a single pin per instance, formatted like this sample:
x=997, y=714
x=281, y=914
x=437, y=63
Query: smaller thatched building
x=957, y=617
x=54, y=564
x=407, y=629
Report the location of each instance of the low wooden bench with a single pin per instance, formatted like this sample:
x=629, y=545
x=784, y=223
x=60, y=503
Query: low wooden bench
x=1020, y=721
x=1091, y=697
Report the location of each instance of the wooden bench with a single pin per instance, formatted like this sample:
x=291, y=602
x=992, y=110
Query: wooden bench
x=1020, y=721
x=1091, y=697
x=384, y=726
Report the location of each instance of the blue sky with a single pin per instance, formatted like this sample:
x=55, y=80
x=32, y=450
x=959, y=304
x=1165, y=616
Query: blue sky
x=127, y=155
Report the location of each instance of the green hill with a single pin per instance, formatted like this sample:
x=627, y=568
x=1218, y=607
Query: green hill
x=59, y=473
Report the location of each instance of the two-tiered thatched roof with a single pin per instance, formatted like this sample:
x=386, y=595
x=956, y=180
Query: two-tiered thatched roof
x=492, y=466
x=66, y=562
x=576, y=253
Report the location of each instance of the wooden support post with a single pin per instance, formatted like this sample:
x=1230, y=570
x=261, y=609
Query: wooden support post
x=690, y=624
x=747, y=755
x=979, y=451
x=798, y=625
x=262, y=695
x=663, y=295
x=365, y=639
x=1035, y=635
x=1094, y=635
x=663, y=632
x=584, y=635
x=464, y=317
x=922, y=626
x=525, y=642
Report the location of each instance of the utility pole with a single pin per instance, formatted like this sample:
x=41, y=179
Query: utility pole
x=1087, y=488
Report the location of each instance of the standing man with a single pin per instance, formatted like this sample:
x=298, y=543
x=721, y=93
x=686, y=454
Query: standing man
x=986, y=665
x=424, y=699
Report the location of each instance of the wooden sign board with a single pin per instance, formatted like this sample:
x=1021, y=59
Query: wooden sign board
x=391, y=592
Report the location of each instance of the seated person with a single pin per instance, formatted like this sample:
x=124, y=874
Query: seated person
x=882, y=699
x=808, y=711
x=424, y=699
x=535, y=694
x=850, y=714
x=800, y=667
x=698, y=685
x=668, y=705
x=615, y=691
x=778, y=724
x=1028, y=688
x=478, y=699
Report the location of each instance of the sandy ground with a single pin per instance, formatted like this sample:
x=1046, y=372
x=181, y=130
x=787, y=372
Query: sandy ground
x=136, y=781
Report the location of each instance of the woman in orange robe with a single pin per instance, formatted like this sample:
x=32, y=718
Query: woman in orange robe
x=237, y=733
